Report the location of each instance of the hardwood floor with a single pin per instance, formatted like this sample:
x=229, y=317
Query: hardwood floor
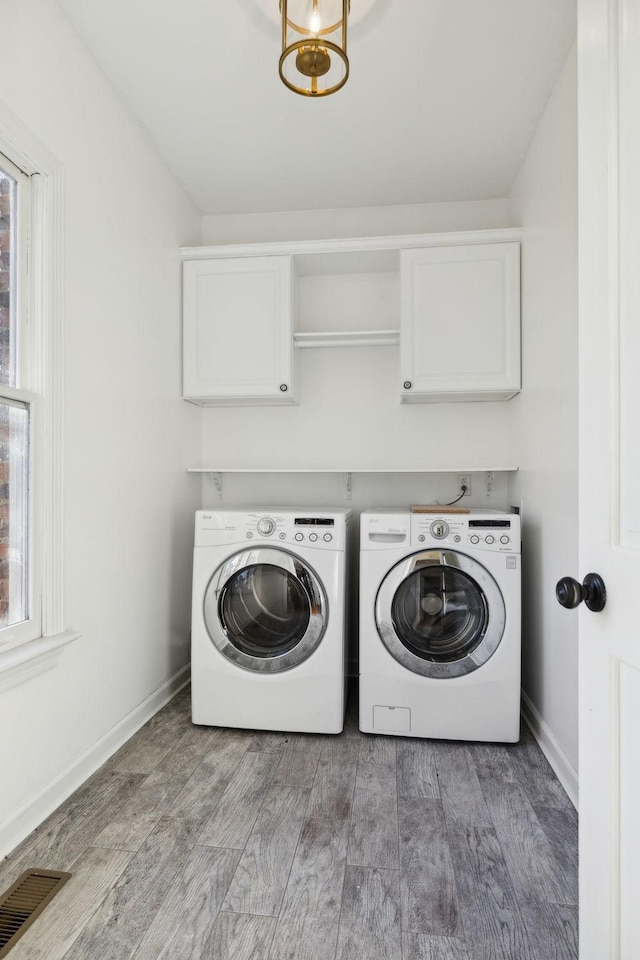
x=194, y=843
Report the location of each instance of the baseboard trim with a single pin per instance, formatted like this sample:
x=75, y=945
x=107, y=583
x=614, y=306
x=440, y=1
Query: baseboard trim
x=560, y=763
x=33, y=813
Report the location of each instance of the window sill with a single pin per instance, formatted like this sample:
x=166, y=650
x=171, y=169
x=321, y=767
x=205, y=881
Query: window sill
x=33, y=658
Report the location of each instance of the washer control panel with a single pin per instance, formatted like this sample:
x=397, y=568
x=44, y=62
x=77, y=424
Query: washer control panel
x=479, y=529
x=275, y=527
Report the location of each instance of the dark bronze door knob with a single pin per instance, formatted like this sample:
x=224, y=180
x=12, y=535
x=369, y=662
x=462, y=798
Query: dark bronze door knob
x=570, y=593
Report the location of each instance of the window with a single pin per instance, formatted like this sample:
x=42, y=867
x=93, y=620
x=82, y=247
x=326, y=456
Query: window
x=19, y=584
x=32, y=630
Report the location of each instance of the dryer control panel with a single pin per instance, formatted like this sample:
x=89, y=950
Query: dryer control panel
x=482, y=531
x=394, y=529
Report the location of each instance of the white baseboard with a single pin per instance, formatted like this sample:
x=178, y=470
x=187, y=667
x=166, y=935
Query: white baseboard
x=33, y=813
x=560, y=763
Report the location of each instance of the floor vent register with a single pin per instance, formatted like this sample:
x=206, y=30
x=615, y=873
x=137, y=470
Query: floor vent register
x=24, y=901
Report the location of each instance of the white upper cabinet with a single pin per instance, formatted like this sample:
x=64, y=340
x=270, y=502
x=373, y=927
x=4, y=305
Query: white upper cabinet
x=238, y=331
x=460, y=322
x=454, y=297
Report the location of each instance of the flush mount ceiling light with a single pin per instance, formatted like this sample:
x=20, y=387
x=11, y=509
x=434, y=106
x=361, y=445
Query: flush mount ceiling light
x=314, y=59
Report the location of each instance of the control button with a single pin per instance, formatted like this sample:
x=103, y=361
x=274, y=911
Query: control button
x=283, y=536
x=457, y=538
x=489, y=539
x=249, y=535
x=327, y=537
x=474, y=539
x=439, y=529
x=299, y=536
x=266, y=526
x=313, y=537
x=421, y=538
x=504, y=539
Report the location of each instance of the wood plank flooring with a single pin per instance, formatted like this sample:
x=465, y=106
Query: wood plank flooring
x=196, y=843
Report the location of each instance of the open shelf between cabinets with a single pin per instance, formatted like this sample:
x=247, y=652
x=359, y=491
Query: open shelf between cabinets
x=347, y=338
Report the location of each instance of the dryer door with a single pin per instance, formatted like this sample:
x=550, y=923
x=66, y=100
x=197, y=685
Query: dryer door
x=440, y=613
x=265, y=609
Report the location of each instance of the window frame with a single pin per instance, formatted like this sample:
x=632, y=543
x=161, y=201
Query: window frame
x=28, y=383
x=31, y=652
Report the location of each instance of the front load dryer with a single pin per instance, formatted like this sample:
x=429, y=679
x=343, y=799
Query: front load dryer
x=268, y=619
x=440, y=624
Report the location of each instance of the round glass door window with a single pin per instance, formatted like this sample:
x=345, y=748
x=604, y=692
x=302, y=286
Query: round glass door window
x=265, y=610
x=440, y=613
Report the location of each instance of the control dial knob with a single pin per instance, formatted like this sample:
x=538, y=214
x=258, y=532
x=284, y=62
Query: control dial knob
x=266, y=526
x=439, y=529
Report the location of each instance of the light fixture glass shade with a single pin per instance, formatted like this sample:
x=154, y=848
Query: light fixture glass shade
x=314, y=59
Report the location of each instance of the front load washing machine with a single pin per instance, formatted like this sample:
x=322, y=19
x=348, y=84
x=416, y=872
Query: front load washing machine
x=268, y=619
x=440, y=624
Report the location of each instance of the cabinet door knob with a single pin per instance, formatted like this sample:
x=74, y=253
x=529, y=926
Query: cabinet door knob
x=407, y=384
x=283, y=387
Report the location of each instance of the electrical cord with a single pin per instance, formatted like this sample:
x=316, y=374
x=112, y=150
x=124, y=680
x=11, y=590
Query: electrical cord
x=464, y=490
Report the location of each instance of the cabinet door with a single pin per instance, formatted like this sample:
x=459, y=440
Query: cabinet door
x=460, y=322
x=238, y=331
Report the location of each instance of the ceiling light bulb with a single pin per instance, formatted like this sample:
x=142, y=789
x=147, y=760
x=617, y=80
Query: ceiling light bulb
x=315, y=23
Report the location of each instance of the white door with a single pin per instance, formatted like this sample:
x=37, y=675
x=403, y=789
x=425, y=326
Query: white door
x=609, y=215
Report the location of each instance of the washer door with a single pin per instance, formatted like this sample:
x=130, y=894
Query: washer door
x=265, y=610
x=440, y=613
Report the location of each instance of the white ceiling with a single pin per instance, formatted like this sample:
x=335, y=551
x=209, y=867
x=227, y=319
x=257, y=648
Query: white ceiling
x=442, y=101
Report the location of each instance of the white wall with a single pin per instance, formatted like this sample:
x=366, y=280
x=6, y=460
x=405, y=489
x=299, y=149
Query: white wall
x=350, y=416
x=128, y=436
x=356, y=222
x=544, y=416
